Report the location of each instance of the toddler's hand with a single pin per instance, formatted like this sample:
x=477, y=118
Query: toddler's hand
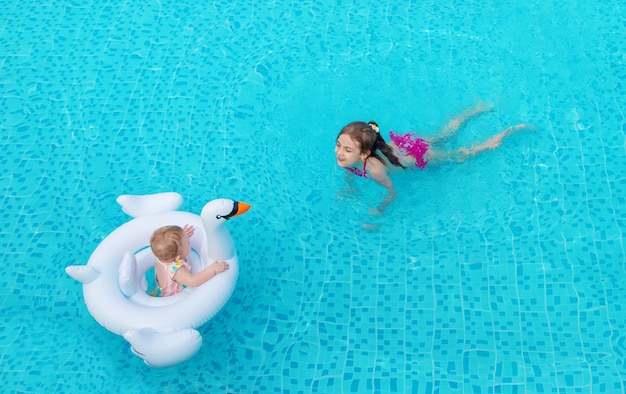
x=219, y=267
x=189, y=230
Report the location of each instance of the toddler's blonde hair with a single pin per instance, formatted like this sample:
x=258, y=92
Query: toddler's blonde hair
x=166, y=243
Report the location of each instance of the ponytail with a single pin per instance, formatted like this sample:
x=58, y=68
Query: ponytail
x=383, y=147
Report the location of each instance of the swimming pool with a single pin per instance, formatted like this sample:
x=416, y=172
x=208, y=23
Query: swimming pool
x=501, y=275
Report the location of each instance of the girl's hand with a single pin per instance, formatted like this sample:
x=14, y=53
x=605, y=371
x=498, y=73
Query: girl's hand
x=375, y=212
x=370, y=226
x=189, y=230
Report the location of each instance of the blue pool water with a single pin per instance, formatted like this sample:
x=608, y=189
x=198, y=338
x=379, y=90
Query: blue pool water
x=505, y=274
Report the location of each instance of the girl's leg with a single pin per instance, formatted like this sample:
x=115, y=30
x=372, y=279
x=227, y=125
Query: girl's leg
x=436, y=156
x=495, y=141
x=460, y=155
x=455, y=124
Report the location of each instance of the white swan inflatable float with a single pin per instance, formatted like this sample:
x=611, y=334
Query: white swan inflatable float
x=161, y=330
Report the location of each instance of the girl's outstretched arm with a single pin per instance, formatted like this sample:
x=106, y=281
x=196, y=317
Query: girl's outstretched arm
x=379, y=174
x=385, y=181
x=385, y=203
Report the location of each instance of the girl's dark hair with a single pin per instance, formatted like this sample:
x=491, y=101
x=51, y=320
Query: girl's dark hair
x=368, y=137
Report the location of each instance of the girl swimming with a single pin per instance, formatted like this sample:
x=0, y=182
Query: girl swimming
x=361, y=150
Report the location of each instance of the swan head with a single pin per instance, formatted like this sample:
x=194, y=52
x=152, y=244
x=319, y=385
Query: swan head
x=220, y=210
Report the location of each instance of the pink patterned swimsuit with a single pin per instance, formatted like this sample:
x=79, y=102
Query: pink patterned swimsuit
x=171, y=286
x=408, y=144
x=357, y=171
x=411, y=145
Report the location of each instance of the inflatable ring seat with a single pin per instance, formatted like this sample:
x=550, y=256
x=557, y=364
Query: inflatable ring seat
x=161, y=330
